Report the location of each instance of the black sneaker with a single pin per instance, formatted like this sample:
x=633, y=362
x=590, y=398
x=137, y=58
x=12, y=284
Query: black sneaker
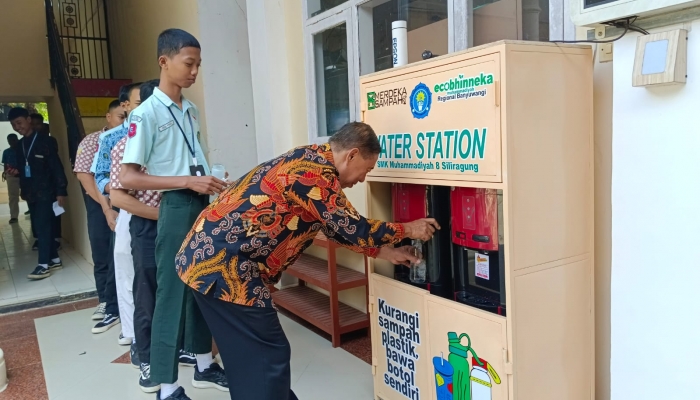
x=27, y=213
x=56, y=265
x=212, y=377
x=145, y=382
x=35, y=246
x=14, y=220
x=107, y=322
x=134, y=357
x=187, y=359
x=39, y=273
x=179, y=394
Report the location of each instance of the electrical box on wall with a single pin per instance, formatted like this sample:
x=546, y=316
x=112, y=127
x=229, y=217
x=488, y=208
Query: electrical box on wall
x=661, y=58
x=592, y=12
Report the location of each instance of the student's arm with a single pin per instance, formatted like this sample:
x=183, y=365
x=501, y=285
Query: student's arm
x=122, y=199
x=88, y=182
x=59, y=177
x=131, y=177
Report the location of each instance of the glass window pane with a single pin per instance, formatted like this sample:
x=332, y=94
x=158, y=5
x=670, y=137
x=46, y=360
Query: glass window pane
x=536, y=20
x=318, y=6
x=494, y=20
x=427, y=30
x=332, y=91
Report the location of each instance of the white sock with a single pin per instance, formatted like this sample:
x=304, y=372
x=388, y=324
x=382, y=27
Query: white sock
x=56, y=260
x=204, y=361
x=166, y=389
x=45, y=266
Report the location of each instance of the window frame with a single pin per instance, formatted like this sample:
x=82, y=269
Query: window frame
x=459, y=15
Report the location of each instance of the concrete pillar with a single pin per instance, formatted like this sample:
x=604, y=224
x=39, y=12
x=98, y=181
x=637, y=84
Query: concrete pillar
x=227, y=85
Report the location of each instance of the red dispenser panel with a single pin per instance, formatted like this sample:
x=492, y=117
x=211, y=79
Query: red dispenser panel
x=475, y=218
x=410, y=202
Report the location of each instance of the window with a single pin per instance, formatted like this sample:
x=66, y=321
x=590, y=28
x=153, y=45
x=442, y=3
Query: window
x=346, y=39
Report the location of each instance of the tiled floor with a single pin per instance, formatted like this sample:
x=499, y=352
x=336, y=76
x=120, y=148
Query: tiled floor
x=17, y=260
x=57, y=348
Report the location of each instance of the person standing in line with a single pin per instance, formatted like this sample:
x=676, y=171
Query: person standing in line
x=11, y=176
x=42, y=128
x=123, y=265
x=143, y=207
x=164, y=137
x=97, y=208
x=42, y=182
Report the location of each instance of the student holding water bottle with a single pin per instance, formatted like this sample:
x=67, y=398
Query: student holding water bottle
x=164, y=137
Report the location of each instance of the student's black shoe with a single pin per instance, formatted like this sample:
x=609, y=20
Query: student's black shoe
x=179, y=394
x=145, y=382
x=56, y=265
x=14, y=220
x=35, y=246
x=134, y=356
x=187, y=359
x=107, y=322
x=212, y=377
x=39, y=273
x=27, y=213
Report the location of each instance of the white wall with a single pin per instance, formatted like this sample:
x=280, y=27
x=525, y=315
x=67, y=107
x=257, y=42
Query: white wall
x=655, y=232
x=226, y=79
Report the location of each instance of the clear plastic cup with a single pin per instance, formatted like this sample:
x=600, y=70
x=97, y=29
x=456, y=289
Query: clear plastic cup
x=218, y=171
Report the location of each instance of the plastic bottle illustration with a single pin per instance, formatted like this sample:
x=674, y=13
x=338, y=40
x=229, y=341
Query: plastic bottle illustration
x=443, y=378
x=461, y=385
x=482, y=379
x=419, y=269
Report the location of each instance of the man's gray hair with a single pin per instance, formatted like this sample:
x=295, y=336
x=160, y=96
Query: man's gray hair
x=357, y=135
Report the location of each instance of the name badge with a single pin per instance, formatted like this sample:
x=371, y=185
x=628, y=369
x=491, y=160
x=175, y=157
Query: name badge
x=197, y=170
x=39, y=156
x=27, y=171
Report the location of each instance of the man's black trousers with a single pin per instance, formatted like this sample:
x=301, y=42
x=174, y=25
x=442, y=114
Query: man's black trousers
x=100, y=237
x=143, y=249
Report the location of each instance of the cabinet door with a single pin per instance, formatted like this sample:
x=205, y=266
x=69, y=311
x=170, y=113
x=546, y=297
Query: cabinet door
x=467, y=350
x=442, y=122
x=399, y=350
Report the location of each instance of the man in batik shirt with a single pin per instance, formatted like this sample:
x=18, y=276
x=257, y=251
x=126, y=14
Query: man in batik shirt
x=259, y=226
x=97, y=207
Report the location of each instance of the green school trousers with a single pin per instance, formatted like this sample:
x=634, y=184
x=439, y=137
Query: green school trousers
x=177, y=320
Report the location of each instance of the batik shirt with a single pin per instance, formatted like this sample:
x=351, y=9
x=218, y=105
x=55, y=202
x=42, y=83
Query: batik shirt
x=264, y=221
x=86, y=152
x=150, y=198
x=103, y=160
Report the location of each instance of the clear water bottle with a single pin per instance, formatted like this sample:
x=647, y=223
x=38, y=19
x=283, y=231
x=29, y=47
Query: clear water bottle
x=420, y=268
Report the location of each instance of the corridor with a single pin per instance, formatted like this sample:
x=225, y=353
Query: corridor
x=17, y=260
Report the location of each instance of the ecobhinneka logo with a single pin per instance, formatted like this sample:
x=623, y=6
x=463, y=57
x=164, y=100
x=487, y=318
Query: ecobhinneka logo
x=462, y=88
x=421, y=99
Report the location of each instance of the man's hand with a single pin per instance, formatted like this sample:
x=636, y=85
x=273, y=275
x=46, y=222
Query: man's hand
x=11, y=171
x=422, y=229
x=61, y=200
x=111, y=216
x=206, y=184
x=399, y=255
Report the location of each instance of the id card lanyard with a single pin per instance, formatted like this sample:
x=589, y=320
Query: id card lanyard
x=184, y=135
x=27, y=169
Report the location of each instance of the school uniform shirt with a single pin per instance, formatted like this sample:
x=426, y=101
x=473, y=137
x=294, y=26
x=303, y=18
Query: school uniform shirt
x=103, y=160
x=156, y=140
x=47, y=180
x=87, y=149
x=264, y=221
x=150, y=198
x=9, y=158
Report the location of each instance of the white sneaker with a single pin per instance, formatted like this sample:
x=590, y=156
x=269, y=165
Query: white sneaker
x=99, y=313
x=124, y=341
